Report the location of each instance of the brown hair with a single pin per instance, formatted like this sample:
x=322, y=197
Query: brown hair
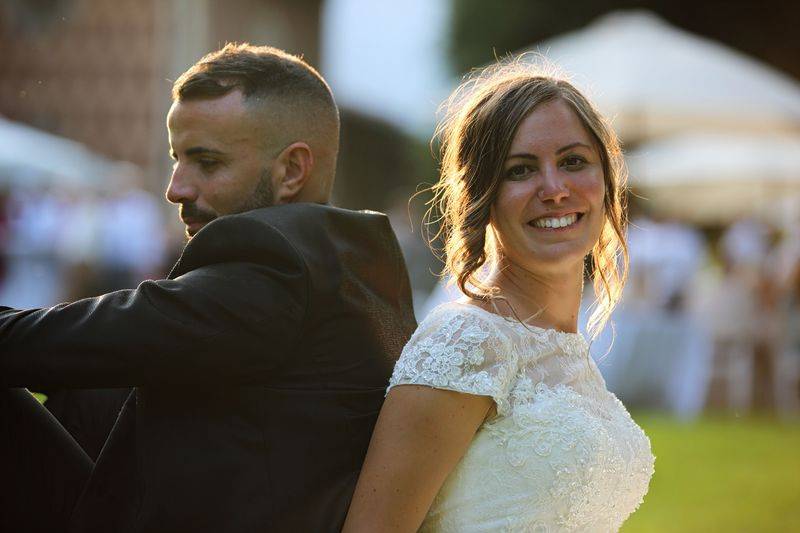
x=256, y=71
x=481, y=119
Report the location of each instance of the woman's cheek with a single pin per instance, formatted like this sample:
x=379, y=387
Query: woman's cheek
x=593, y=181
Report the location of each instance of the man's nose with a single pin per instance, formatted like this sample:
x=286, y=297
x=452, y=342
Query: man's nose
x=553, y=187
x=181, y=188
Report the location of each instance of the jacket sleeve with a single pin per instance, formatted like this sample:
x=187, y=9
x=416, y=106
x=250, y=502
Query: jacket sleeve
x=232, y=314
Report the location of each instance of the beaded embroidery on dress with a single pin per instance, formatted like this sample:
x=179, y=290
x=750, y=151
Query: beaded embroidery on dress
x=561, y=454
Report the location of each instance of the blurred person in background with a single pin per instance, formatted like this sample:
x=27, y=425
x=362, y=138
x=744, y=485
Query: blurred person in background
x=259, y=364
x=496, y=417
x=78, y=247
x=133, y=249
x=783, y=270
x=35, y=275
x=787, y=372
x=740, y=314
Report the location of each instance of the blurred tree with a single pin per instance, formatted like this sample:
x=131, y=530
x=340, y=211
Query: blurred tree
x=30, y=17
x=482, y=30
x=378, y=163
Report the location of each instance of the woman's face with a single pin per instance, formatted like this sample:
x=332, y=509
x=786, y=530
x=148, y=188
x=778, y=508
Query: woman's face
x=549, y=209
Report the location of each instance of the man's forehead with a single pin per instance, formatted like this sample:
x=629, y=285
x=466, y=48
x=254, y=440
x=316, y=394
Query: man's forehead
x=221, y=109
x=225, y=119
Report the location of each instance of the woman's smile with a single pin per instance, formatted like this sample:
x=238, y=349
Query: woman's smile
x=557, y=223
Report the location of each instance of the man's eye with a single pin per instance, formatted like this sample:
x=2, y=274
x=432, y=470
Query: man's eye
x=207, y=164
x=518, y=172
x=573, y=162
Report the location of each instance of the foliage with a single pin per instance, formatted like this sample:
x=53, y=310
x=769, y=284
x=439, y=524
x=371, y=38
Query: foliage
x=379, y=165
x=484, y=30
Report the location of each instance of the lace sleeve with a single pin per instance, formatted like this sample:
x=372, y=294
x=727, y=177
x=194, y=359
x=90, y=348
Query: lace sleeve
x=460, y=351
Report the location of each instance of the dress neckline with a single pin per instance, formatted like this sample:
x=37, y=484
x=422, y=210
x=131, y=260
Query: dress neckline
x=566, y=335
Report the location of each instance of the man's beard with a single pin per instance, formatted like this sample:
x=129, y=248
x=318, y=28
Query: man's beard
x=262, y=197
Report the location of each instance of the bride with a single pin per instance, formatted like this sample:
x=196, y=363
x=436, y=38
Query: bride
x=497, y=418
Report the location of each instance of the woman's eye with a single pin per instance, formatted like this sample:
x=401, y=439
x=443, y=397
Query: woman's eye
x=518, y=172
x=573, y=162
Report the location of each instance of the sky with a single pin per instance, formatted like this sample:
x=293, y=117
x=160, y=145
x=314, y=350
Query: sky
x=388, y=59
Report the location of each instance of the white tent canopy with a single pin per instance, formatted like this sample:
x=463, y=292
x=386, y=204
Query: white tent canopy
x=653, y=79
x=709, y=178
x=29, y=156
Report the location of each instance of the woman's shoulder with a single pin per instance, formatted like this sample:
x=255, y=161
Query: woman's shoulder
x=456, y=329
x=462, y=348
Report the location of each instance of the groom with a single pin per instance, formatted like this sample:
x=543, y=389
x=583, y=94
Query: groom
x=259, y=365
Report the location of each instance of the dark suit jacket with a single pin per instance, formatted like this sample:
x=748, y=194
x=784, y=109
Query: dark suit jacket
x=260, y=366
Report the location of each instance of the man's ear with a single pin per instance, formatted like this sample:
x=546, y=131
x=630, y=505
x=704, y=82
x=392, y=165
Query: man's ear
x=294, y=165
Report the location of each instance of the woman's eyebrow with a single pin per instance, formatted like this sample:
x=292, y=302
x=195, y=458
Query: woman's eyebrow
x=571, y=146
x=526, y=155
x=522, y=155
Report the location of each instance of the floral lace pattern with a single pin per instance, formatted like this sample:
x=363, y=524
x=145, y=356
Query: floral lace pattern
x=562, y=453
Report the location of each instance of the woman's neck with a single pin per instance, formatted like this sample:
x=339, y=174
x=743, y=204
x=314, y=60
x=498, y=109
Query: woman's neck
x=549, y=300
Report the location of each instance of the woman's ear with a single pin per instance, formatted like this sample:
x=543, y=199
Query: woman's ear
x=294, y=166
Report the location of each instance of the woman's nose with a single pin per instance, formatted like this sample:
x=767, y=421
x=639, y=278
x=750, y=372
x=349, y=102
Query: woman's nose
x=553, y=186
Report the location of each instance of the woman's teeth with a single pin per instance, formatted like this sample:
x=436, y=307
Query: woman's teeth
x=556, y=222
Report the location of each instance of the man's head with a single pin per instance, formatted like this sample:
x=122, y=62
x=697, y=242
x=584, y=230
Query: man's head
x=250, y=127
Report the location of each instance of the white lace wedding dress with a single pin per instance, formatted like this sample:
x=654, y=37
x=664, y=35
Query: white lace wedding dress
x=561, y=454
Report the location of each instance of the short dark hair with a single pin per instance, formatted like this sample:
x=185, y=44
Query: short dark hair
x=256, y=71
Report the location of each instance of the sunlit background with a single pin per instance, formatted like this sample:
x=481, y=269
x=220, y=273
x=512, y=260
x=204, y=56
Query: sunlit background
x=705, y=347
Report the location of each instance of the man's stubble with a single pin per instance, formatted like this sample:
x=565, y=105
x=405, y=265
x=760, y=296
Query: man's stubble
x=263, y=196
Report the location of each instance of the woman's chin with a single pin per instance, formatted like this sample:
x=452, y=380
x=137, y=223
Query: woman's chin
x=555, y=258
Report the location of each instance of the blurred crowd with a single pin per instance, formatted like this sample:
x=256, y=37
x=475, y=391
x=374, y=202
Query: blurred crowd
x=60, y=244
x=708, y=320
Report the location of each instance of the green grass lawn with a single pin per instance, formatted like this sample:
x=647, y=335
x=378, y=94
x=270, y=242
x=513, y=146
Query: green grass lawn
x=721, y=474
